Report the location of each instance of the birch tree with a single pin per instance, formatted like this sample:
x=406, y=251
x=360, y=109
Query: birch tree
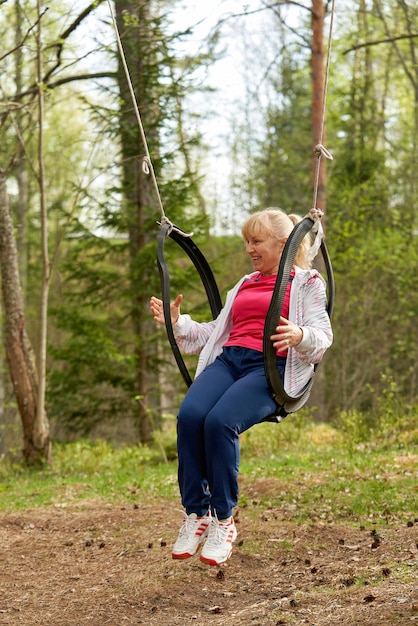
x=41, y=427
x=19, y=351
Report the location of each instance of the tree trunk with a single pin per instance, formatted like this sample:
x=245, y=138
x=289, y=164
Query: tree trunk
x=20, y=169
x=318, y=137
x=46, y=271
x=318, y=82
x=134, y=25
x=19, y=352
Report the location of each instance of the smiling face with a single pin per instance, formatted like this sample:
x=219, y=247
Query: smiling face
x=265, y=252
x=265, y=234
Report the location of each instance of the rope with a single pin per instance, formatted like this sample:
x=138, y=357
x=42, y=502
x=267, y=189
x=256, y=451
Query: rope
x=147, y=166
x=319, y=149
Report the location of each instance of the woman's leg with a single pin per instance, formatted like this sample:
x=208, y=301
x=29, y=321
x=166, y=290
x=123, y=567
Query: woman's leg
x=202, y=395
x=243, y=404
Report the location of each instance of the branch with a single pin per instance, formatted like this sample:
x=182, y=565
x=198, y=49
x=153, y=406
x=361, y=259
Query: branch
x=274, y=4
x=80, y=18
x=266, y=6
x=19, y=45
x=294, y=31
x=70, y=79
x=399, y=53
x=59, y=45
x=63, y=81
x=379, y=41
x=296, y=4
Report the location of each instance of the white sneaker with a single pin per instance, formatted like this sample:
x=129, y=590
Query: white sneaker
x=192, y=532
x=218, y=546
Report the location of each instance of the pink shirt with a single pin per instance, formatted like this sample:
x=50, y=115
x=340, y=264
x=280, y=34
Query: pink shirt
x=249, y=311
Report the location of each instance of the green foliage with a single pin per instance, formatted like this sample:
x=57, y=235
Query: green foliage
x=355, y=428
x=283, y=171
x=391, y=416
x=91, y=370
x=373, y=320
x=99, y=457
x=389, y=422
x=91, y=380
x=268, y=438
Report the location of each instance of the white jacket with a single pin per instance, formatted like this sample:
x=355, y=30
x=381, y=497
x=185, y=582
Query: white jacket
x=307, y=309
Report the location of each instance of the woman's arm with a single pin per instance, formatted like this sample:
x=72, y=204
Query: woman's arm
x=191, y=336
x=313, y=319
x=308, y=311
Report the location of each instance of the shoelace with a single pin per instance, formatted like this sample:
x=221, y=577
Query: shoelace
x=186, y=528
x=189, y=525
x=218, y=532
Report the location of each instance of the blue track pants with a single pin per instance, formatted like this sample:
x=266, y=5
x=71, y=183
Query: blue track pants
x=227, y=398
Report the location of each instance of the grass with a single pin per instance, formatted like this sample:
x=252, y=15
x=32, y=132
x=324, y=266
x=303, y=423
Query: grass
x=314, y=474
x=84, y=471
x=323, y=477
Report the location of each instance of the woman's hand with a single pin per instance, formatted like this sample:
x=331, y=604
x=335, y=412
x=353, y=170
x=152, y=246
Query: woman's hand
x=156, y=308
x=288, y=335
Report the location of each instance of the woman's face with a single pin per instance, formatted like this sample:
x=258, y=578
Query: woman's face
x=265, y=252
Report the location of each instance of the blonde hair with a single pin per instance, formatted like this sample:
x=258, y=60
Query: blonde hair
x=274, y=222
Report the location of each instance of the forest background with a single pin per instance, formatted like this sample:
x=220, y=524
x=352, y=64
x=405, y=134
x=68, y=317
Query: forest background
x=81, y=356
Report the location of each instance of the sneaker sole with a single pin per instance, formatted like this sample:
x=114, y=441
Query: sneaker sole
x=185, y=555
x=212, y=562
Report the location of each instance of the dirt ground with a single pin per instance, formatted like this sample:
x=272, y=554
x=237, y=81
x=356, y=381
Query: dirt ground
x=96, y=564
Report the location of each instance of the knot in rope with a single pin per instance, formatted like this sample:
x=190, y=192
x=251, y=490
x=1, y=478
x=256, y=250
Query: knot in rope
x=320, y=150
x=315, y=215
x=146, y=165
x=171, y=227
x=164, y=220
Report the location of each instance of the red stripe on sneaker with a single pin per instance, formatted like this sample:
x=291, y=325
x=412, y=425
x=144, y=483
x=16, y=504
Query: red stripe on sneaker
x=199, y=532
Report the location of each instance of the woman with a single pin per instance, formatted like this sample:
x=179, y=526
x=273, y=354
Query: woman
x=230, y=392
